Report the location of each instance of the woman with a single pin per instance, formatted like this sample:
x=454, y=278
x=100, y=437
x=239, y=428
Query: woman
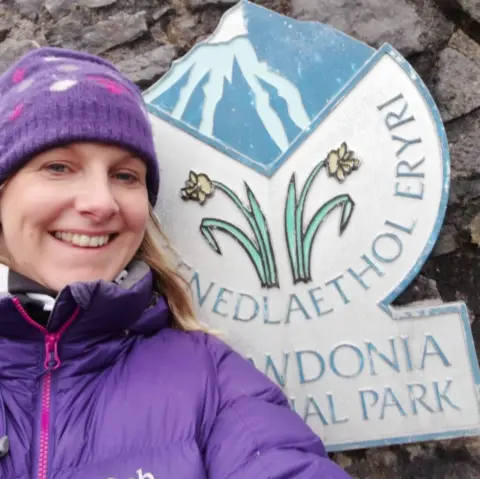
x=104, y=370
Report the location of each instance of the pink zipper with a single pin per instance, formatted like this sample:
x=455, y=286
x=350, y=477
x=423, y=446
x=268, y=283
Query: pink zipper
x=52, y=362
x=44, y=423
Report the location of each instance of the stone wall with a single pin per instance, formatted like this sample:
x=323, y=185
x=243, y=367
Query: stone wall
x=441, y=38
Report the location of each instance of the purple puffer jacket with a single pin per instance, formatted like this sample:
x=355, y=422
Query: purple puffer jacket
x=110, y=391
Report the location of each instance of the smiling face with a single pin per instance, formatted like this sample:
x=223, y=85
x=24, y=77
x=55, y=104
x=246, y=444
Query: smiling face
x=75, y=213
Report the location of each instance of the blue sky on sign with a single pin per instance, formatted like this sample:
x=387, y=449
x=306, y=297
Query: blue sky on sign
x=263, y=89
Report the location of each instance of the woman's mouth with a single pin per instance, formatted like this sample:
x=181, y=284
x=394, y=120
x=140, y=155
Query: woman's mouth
x=83, y=240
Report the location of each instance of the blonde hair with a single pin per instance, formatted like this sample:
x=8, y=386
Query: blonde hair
x=157, y=252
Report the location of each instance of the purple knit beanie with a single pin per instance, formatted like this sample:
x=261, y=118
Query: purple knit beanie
x=54, y=96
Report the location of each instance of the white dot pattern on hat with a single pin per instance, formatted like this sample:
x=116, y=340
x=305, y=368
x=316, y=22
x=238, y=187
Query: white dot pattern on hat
x=25, y=84
x=63, y=85
x=68, y=68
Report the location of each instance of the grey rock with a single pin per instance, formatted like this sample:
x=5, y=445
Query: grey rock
x=30, y=8
x=203, y=3
x=471, y=7
x=464, y=143
x=5, y=22
x=472, y=446
x=474, y=228
x=376, y=21
x=343, y=460
x=58, y=8
x=464, y=191
x=461, y=42
x=439, y=29
x=98, y=3
x=439, y=460
x=161, y=12
x=146, y=68
x=31, y=5
x=68, y=33
x=183, y=31
x=159, y=34
x=446, y=242
x=98, y=38
x=11, y=50
x=4, y=30
x=455, y=459
x=421, y=288
x=457, y=89
x=442, y=464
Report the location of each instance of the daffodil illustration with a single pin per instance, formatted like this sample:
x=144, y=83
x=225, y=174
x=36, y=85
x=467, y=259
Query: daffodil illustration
x=341, y=162
x=197, y=187
x=258, y=246
x=300, y=236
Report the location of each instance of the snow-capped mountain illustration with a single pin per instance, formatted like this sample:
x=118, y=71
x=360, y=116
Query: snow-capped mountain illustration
x=255, y=86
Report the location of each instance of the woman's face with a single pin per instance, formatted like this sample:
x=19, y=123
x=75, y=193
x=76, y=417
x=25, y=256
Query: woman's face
x=75, y=213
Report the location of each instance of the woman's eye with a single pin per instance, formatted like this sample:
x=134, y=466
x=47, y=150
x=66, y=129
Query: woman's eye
x=57, y=168
x=126, y=177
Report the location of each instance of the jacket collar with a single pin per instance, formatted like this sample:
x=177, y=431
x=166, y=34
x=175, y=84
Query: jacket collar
x=18, y=284
x=106, y=308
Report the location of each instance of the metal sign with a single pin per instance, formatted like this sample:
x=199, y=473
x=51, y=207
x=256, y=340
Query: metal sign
x=304, y=182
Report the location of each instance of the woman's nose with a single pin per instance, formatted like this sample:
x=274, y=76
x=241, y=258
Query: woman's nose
x=97, y=200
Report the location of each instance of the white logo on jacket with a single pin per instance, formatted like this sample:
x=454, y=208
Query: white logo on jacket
x=140, y=475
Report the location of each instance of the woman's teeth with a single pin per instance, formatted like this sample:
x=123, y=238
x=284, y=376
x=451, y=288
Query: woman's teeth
x=82, y=240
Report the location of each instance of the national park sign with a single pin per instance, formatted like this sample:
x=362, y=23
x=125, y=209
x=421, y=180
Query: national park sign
x=304, y=181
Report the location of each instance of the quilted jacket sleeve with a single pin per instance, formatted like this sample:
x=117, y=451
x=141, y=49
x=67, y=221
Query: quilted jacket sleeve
x=255, y=433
